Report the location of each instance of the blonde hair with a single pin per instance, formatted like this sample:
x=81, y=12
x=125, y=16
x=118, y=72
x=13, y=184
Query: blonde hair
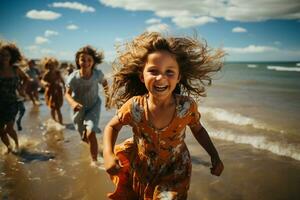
x=196, y=64
x=49, y=61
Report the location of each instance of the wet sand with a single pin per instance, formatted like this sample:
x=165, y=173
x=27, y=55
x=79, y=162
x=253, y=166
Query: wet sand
x=55, y=165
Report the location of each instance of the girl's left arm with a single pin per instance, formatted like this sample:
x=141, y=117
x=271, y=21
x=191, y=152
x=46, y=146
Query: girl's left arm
x=204, y=140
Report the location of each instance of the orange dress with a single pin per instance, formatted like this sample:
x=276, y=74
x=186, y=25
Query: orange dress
x=157, y=163
x=54, y=92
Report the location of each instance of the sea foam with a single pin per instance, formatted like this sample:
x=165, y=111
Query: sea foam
x=52, y=125
x=232, y=118
x=282, y=68
x=251, y=65
x=260, y=142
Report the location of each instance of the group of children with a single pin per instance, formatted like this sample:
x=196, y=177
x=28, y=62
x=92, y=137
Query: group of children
x=154, y=82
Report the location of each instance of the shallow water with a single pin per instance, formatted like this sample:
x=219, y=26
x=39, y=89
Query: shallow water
x=253, y=119
x=50, y=164
x=55, y=165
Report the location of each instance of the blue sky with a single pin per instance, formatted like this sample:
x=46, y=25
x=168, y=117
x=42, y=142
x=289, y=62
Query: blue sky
x=257, y=30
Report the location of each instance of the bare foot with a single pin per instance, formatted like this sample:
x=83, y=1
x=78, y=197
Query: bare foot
x=16, y=150
x=9, y=150
x=94, y=163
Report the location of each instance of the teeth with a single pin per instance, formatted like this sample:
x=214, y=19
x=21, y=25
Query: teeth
x=160, y=88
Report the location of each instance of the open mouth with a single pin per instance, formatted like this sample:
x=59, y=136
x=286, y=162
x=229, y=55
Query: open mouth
x=160, y=88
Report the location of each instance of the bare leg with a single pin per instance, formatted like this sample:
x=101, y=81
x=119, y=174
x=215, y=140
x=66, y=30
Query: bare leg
x=59, y=115
x=93, y=145
x=36, y=97
x=12, y=133
x=30, y=94
x=21, y=108
x=4, y=138
x=53, y=114
x=84, y=136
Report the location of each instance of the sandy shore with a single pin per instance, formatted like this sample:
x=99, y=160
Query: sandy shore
x=55, y=165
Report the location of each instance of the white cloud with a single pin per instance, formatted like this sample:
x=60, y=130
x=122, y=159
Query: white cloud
x=243, y=10
x=41, y=40
x=173, y=13
x=43, y=15
x=153, y=21
x=155, y=25
x=35, y=51
x=158, y=28
x=277, y=54
x=72, y=27
x=251, y=49
x=49, y=33
x=194, y=10
x=239, y=30
x=73, y=5
x=185, y=22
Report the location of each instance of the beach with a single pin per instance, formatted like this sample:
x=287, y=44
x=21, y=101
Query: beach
x=251, y=113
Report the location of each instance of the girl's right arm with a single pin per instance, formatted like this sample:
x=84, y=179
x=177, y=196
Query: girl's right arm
x=74, y=104
x=111, y=131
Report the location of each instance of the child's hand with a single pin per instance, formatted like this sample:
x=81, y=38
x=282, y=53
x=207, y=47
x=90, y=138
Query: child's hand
x=76, y=106
x=217, y=167
x=111, y=164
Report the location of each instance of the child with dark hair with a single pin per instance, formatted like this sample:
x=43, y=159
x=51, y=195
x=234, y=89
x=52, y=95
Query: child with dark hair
x=83, y=96
x=33, y=85
x=10, y=76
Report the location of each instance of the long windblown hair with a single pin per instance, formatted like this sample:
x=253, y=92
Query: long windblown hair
x=197, y=63
x=97, y=56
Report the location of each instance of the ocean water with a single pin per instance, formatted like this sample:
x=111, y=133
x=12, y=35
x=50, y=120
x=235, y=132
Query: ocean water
x=256, y=104
x=251, y=113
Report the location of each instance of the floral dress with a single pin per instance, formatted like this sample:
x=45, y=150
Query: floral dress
x=157, y=163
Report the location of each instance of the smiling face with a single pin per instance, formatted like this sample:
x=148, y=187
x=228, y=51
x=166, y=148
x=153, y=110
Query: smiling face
x=85, y=61
x=161, y=74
